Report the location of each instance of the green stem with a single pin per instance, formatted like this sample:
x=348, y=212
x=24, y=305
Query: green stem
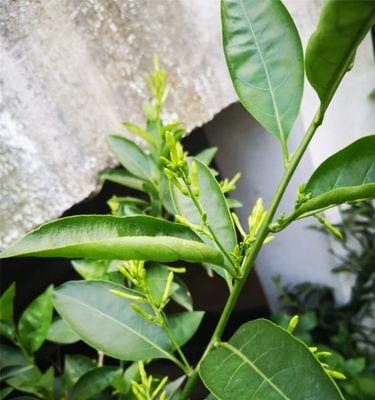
x=251, y=256
x=161, y=317
x=177, y=347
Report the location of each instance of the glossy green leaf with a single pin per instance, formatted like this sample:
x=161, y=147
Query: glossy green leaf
x=207, y=155
x=123, y=178
x=6, y=305
x=346, y=176
x=262, y=362
x=132, y=157
x=123, y=333
x=35, y=321
x=109, y=237
x=265, y=61
x=331, y=49
x=76, y=366
x=214, y=204
x=60, y=332
x=123, y=382
x=94, y=381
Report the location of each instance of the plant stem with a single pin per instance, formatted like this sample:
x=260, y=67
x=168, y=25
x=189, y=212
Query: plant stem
x=251, y=256
x=176, y=346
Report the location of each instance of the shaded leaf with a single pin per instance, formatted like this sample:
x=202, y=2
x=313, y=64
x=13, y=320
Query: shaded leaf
x=132, y=157
x=75, y=366
x=109, y=237
x=11, y=356
x=6, y=305
x=263, y=361
x=123, y=333
x=265, y=61
x=123, y=178
x=35, y=321
x=60, y=332
x=93, y=382
x=157, y=275
x=5, y=392
x=207, y=155
x=92, y=269
x=331, y=49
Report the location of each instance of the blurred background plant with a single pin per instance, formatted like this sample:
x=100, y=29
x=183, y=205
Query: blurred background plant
x=347, y=330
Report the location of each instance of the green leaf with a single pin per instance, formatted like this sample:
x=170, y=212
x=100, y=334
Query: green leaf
x=123, y=382
x=233, y=203
x=265, y=61
x=184, y=325
x=182, y=295
x=262, y=362
x=132, y=157
x=60, y=332
x=92, y=269
x=6, y=305
x=9, y=372
x=122, y=177
x=157, y=275
x=109, y=237
x=123, y=333
x=214, y=204
x=94, y=381
x=331, y=49
x=137, y=130
x=346, y=176
x=75, y=366
x=207, y=155
x=5, y=392
x=35, y=321
x=11, y=356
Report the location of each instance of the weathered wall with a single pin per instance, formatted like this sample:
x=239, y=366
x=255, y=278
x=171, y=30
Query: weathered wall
x=72, y=70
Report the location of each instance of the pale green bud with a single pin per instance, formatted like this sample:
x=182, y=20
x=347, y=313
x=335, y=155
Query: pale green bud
x=335, y=374
x=293, y=324
x=127, y=295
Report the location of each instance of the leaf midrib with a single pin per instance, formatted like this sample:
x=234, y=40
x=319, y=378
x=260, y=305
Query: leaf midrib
x=282, y=137
x=169, y=356
x=238, y=353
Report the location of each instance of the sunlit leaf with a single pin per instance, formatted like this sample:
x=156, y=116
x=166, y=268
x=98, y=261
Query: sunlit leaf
x=108, y=237
x=265, y=61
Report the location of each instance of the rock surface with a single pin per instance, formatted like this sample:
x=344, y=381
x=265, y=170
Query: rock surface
x=72, y=70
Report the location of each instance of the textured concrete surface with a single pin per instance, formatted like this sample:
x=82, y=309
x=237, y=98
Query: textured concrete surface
x=72, y=70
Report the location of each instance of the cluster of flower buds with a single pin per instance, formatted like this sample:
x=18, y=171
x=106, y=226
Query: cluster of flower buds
x=302, y=196
x=314, y=350
x=255, y=221
x=149, y=388
x=227, y=185
x=135, y=272
x=158, y=86
x=176, y=167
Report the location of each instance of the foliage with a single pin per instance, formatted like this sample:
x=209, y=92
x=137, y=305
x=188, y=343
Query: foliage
x=120, y=308
x=345, y=330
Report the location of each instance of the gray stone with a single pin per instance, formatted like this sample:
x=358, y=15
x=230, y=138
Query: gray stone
x=72, y=70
